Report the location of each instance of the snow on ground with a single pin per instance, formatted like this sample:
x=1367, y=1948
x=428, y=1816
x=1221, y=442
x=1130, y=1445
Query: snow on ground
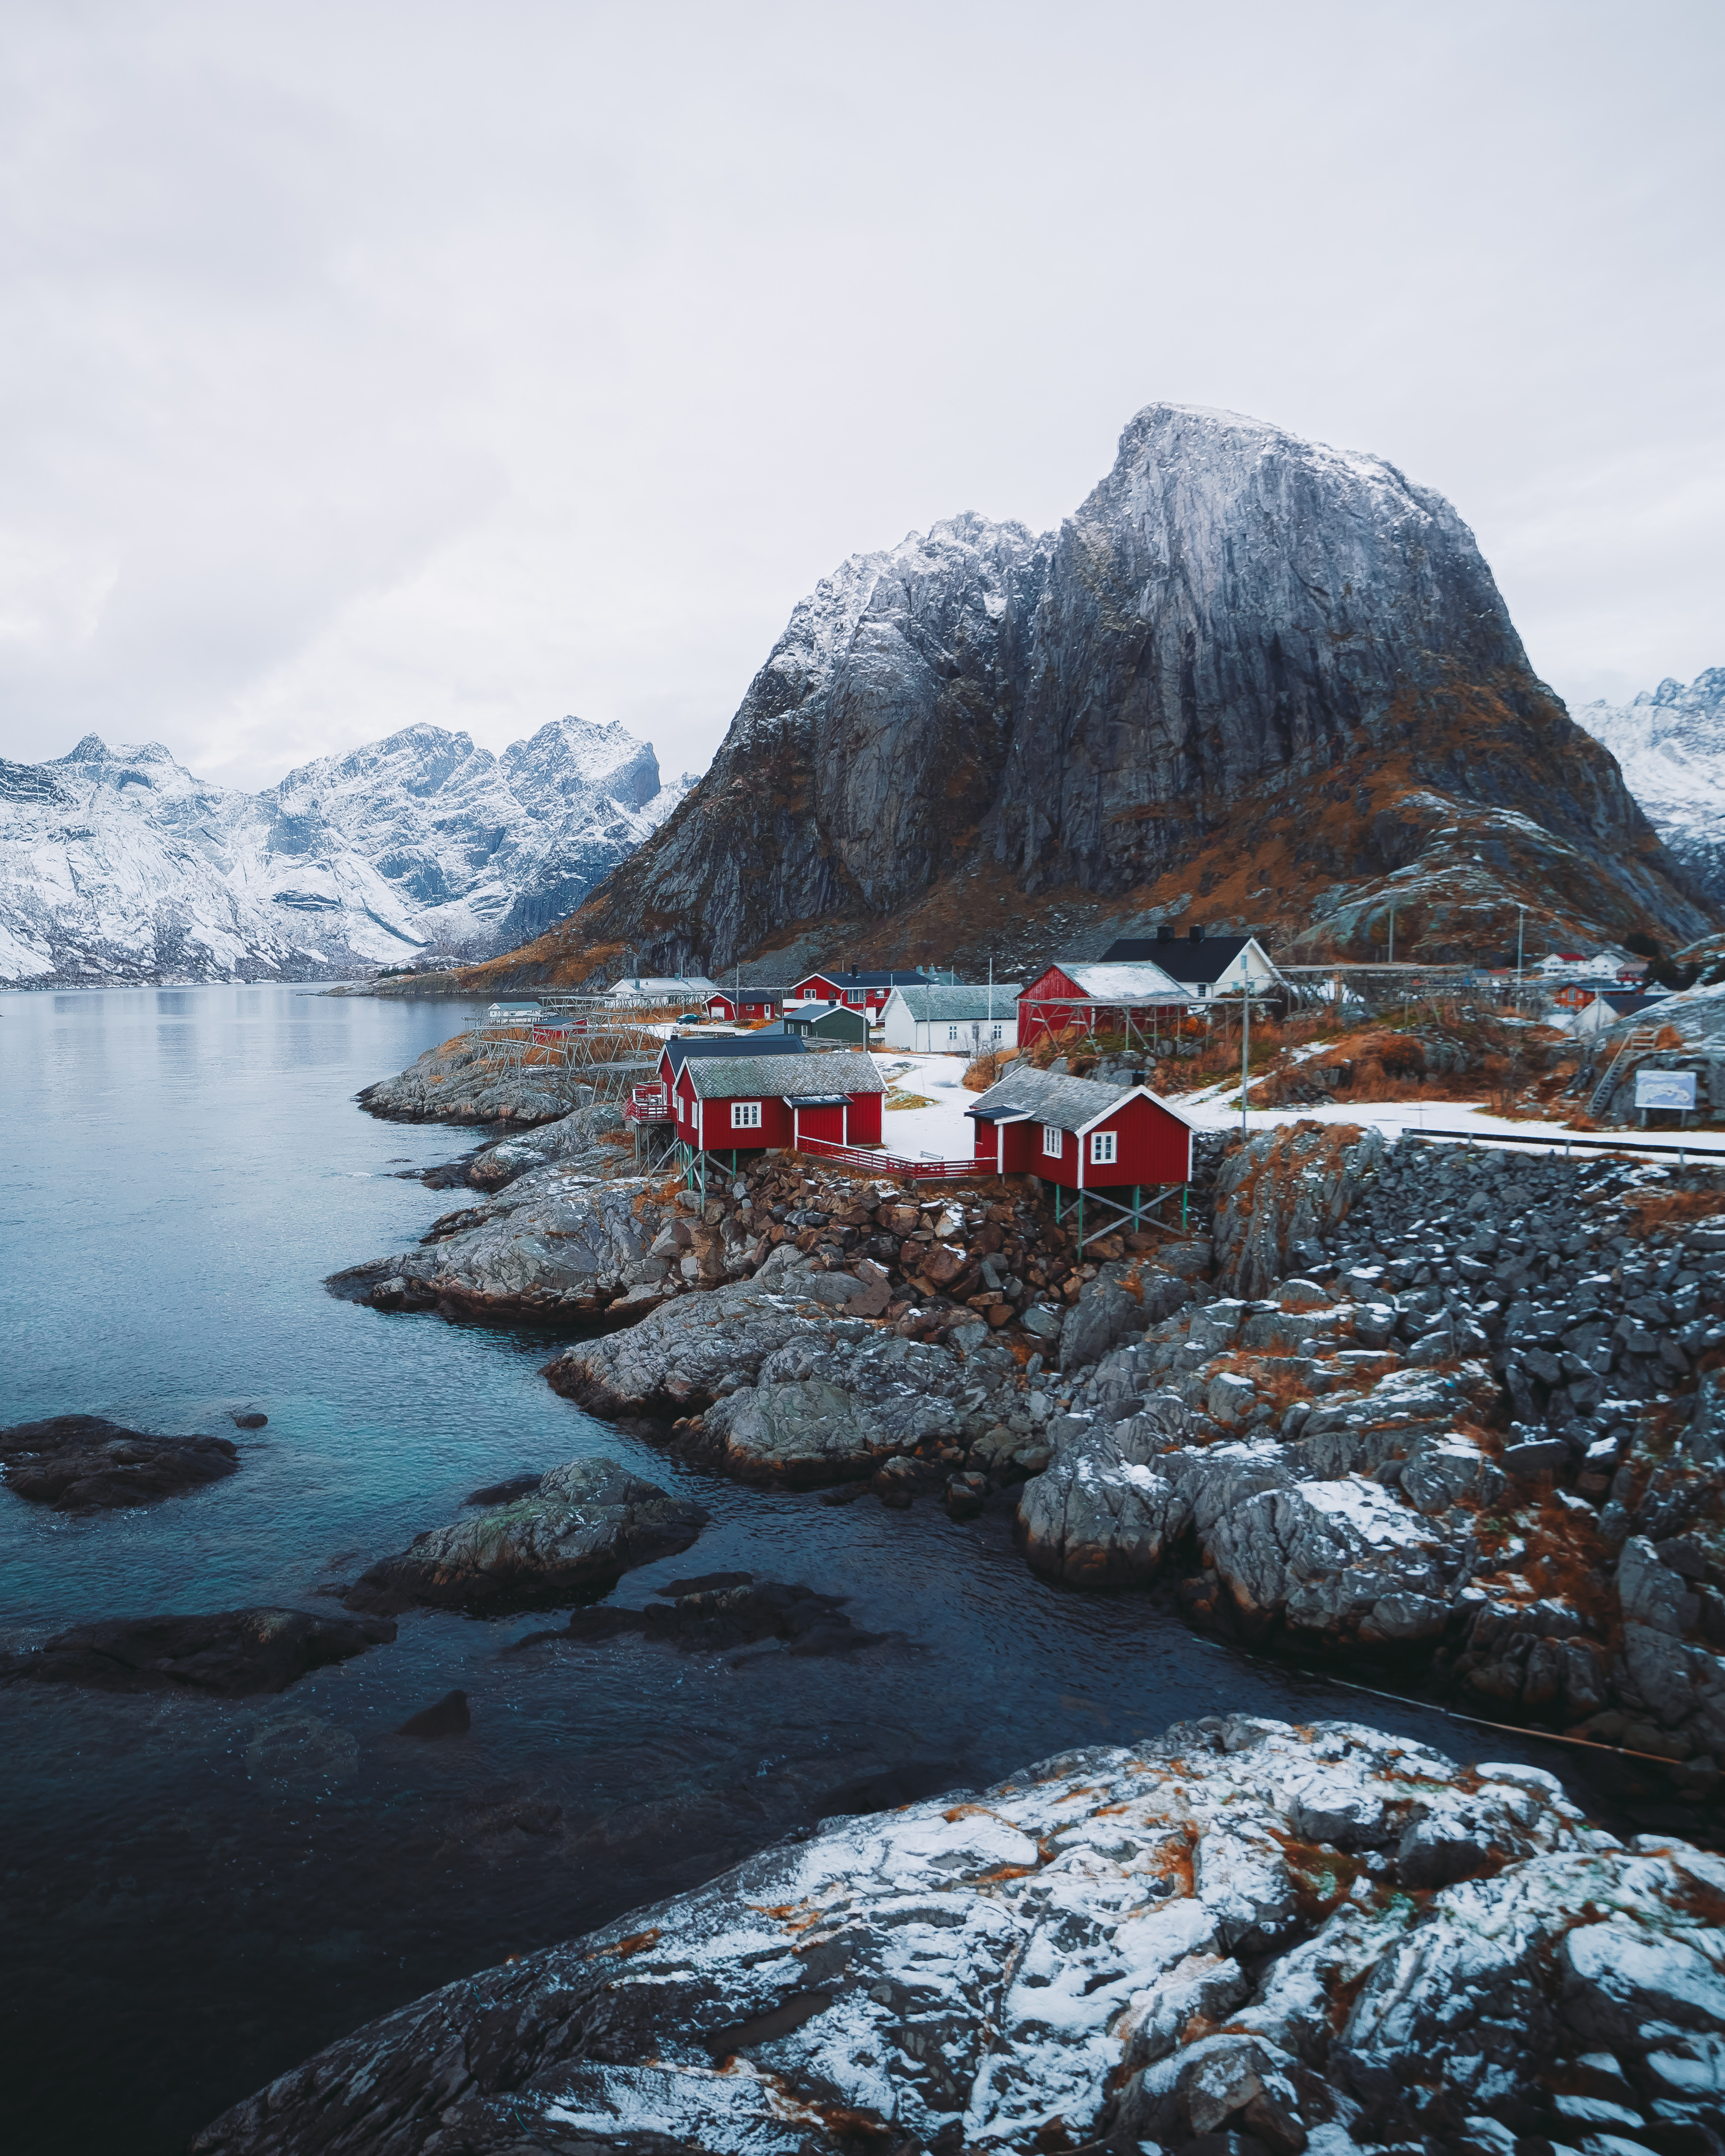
x=944, y=1132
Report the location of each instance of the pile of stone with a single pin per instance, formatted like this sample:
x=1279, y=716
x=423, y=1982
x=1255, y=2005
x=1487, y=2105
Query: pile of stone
x=1243, y=1939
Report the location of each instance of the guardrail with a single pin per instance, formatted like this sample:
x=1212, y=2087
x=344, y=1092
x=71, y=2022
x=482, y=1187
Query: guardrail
x=882, y=1162
x=1552, y=1143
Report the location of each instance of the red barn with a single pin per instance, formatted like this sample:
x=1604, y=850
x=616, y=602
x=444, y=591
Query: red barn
x=744, y=1006
x=1095, y=998
x=744, y=1103
x=1079, y=1134
x=863, y=992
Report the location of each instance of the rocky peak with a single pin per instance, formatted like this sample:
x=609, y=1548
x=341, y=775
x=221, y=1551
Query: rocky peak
x=1251, y=672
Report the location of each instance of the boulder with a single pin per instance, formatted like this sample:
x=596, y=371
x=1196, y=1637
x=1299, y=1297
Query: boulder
x=232, y=1653
x=955, y=1972
x=1342, y=1559
x=685, y=1356
x=575, y=1534
x=1126, y=1295
x=556, y=1242
x=86, y=1464
x=575, y=1141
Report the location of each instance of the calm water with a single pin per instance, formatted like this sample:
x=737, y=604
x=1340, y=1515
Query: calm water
x=196, y=1893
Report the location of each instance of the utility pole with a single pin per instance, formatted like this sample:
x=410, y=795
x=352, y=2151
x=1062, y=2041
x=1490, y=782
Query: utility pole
x=1520, y=938
x=1392, y=931
x=1246, y=1050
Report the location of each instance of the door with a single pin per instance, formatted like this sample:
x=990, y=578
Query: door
x=826, y=1124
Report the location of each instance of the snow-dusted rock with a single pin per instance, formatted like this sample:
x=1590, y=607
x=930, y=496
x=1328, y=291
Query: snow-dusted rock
x=678, y=1359
x=1341, y=1558
x=115, y=863
x=554, y=1241
x=1064, y=1958
x=579, y=1529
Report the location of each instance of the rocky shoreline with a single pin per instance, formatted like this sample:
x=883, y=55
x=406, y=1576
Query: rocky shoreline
x=1454, y=1410
x=1243, y=1939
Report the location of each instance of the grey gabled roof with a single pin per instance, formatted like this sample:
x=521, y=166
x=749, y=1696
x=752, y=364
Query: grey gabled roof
x=766, y=1077
x=682, y=1050
x=1066, y=1104
x=847, y=976
x=960, y=1005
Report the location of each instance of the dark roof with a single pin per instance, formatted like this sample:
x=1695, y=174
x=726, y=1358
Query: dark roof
x=1633, y=1000
x=839, y=1074
x=838, y=1017
x=853, y=979
x=1179, y=955
x=747, y=1044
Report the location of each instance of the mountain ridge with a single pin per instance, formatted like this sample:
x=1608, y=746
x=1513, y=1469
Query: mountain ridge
x=1670, y=744
x=1251, y=679
x=117, y=864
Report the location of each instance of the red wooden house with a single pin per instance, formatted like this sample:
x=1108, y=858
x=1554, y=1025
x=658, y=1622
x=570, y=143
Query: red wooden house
x=744, y=1103
x=863, y=992
x=745, y=1006
x=1095, y=998
x=1079, y=1134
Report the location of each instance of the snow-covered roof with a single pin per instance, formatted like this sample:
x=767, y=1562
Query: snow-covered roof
x=962, y=1003
x=1139, y=981
x=663, y=987
x=1206, y=959
x=842, y=1071
x=1061, y=1102
x=845, y=977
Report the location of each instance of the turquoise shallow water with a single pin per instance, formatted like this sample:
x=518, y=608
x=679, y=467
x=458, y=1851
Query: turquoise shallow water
x=194, y=1894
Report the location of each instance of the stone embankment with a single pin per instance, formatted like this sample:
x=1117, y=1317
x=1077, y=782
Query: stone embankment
x=1480, y=1422
x=566, y=1235
x=1243, y=1939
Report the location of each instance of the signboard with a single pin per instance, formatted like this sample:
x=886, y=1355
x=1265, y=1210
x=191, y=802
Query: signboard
x=1664, y=1089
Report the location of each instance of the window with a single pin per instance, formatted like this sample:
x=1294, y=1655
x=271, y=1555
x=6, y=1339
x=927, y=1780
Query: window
x=951, y=1032
x=854, y=996
x=1102, y=1148
x=998, y=1032
x=1054, y=1141
x=745, y=1115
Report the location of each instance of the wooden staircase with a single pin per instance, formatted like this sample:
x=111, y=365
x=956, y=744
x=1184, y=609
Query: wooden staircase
x=1638, y=1040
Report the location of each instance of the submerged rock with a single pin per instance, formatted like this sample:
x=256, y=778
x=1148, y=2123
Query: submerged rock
x=231, y=1652
x=575, y=1533
x=1207, y=1940
x=711, y=1619
x=86, y=1464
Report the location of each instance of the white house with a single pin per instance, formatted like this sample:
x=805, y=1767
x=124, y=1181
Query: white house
x=952, y=1020
x=1204, y=966
x=691, y=989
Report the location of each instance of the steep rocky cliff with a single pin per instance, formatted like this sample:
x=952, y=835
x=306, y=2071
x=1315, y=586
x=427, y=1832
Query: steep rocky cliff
x=1253, y=679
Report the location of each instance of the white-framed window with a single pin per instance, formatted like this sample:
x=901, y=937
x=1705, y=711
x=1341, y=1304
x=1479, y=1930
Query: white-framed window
x=1104, y=1148
x=1054, y=1141
x=745, y=1115
x=951, y=1032
x=854, y=996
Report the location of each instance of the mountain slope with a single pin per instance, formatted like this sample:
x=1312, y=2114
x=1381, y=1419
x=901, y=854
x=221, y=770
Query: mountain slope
x=1671, y=744
x=117, y=864
x=1253, y=679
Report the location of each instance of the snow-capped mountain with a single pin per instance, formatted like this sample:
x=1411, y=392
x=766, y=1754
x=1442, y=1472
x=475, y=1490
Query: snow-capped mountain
x=117, y=865
x=1670, y=742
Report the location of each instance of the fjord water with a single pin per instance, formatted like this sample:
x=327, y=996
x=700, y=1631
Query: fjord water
x=196, y=1893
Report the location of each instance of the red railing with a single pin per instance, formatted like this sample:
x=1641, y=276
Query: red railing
x=885, y=1163
x=648, y=1104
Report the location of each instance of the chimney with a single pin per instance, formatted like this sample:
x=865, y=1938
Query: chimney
x=1196, y=934
x=1164, y=934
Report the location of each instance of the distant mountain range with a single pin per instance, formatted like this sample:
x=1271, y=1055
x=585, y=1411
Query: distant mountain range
x=1671, y=744
x=1253, y=682
x=117, y=865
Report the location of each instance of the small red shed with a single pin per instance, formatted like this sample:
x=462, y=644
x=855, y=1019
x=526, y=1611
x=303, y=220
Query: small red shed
x=745, y=1103
x=1079, y=1134
x=859, y=991
x=744, y=1006
x=1095, y=998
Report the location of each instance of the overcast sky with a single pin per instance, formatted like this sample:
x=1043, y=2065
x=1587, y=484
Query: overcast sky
x=367, y=364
